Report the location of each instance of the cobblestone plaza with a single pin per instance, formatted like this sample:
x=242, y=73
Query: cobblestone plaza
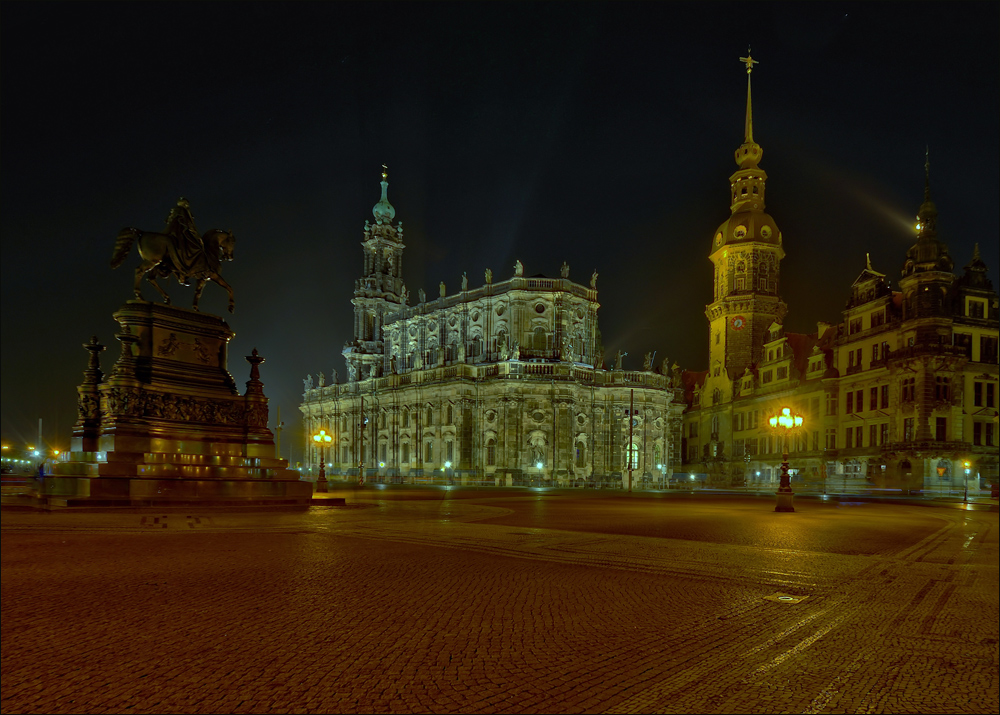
x=435, y=600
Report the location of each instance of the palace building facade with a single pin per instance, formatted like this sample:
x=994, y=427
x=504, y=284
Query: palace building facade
x=901, y=393
x=499, y=384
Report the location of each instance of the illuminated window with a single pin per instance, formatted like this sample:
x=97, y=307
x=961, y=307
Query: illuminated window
x=632, y=459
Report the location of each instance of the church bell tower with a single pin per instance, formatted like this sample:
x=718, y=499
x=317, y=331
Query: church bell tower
x=379, y=292
x=746, y=254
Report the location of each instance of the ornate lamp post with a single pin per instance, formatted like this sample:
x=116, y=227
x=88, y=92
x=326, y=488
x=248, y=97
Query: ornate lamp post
x=322, y=439
x=968, y=468
x=786, y=422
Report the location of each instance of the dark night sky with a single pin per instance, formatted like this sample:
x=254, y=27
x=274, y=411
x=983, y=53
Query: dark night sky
x=599, y=134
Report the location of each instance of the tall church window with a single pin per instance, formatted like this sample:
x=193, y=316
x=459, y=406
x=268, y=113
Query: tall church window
x=632, y=456
x=491, y=452
x=429, y=452
x=429, y=421
x=581, y=450
x=451, y=415
x=406, y=453
x=539, y=339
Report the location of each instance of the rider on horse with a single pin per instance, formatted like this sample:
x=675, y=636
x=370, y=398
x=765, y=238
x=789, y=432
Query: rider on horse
x=189, y=246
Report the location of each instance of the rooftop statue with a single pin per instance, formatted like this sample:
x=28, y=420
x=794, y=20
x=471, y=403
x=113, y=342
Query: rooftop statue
x=179, y=251
x=518, y=268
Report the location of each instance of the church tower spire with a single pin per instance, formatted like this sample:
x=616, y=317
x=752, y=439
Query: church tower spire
x=746, y=252
x=380, y=292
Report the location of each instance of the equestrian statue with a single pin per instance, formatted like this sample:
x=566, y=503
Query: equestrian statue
x=180, y=251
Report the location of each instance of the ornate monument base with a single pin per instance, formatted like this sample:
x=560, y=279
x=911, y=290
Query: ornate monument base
x=168, y=426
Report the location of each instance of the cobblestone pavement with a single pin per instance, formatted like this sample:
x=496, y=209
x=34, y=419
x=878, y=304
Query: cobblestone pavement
x=503, y=604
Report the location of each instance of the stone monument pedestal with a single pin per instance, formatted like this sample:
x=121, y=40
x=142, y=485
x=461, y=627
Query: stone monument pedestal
x=168, y=426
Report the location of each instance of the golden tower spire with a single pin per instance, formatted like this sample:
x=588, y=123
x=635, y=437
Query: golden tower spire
x=749, y=61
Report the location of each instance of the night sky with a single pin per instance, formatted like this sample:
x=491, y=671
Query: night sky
x=598, y=134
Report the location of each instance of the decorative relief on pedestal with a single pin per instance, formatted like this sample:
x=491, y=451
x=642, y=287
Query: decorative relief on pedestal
x=126, y=402
x=88, y=406
x=201, y=352
x=168, y=346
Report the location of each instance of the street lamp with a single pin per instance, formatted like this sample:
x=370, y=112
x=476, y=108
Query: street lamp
x=322, y=439
x=968, y=465
x=786, y=422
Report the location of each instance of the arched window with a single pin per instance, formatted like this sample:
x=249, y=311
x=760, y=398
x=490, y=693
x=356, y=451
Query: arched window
x=406, y=418
x=539, y=338
x=429, y=452
x=581, y=454
x=430, y=418
x=491, y=452
x=406, y=453
x=451, y=415
x=632, y=458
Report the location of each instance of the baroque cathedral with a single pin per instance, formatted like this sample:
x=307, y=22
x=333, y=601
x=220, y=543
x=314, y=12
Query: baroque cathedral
x=901, y=393
x=500, y=384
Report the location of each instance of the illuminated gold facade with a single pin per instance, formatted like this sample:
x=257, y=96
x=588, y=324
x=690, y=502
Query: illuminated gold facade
x=500, y=384
x=901, y=394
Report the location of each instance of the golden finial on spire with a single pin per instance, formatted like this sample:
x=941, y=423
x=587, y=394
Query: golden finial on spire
x=749, y=61
x=385, y=172
x=868, y=260
x=748, y=126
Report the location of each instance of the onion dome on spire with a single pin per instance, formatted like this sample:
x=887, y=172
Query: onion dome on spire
x=749, y=222
x=383, y=210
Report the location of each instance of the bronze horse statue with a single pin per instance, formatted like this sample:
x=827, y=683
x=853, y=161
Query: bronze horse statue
x=161, y=257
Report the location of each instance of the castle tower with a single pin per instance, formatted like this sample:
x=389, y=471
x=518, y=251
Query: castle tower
x=927, y=278
x=746, y=254
x=380, y=291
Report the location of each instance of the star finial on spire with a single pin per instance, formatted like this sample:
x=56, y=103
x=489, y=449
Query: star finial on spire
x=748, y=126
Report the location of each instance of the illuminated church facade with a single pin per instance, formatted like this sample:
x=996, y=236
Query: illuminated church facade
x=500, y=384
x=902, y=393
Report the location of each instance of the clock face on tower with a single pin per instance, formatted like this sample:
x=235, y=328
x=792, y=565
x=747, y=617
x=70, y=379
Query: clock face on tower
x=738, y=322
